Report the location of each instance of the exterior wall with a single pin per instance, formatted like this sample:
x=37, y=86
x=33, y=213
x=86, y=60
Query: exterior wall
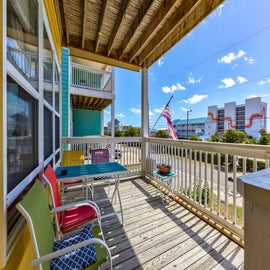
x=86, y=122
x=65, y=92
x=230, y=115
x=196, y=126
x=255, y=116
x=211, y=126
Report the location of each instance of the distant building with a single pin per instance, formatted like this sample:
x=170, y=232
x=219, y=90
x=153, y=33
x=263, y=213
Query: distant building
x=196, y=126
x=249, y=117
x=124, y=127
x=116, y=125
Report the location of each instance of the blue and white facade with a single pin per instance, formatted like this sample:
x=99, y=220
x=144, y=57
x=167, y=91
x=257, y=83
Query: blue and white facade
x=186, y=128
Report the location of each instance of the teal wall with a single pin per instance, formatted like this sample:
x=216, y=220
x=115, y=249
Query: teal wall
x=65, y=92
x=86, y=122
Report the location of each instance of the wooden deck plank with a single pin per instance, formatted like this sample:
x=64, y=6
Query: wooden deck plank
x=157, y=236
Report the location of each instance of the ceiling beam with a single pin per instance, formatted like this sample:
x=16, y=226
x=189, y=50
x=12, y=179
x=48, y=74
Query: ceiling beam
x=179, y=25
x=100, y=23
x=137, y=21
x=118, y=22
x=84, y=22
x=101, y=59
x=173, y=22
x=67, y=26
x=150, y=30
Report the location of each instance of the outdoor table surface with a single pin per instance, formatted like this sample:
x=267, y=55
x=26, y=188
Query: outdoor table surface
x=86, y=170
x=164, y=176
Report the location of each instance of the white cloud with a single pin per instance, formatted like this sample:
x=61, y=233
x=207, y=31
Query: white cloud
x=150, y=113
x=218, y=11
x=136, y=111
x=157, y=110
x=228, y=58
x=192, y=80
x=262, y=82
x=184, y=109
x=249, y=60
x=228, y=82
x=160, y=61
x=107, y=112
x=120, y=115
x=173, y=88
x=195, y=99
x=241, y=79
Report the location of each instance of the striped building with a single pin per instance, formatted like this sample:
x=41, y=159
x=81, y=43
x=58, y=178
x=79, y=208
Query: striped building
x=250, y=117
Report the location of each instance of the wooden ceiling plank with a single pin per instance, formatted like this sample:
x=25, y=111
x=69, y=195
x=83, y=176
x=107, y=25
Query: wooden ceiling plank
x=183, y=16
x=172, y=23
x=84, y=21
x=166, y=8
x=118, y=22
x=100, y=23
x=136, y=22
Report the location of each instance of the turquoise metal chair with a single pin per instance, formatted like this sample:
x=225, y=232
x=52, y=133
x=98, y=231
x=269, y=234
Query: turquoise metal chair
x=82, y=250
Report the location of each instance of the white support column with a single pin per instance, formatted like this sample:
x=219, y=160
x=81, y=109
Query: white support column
x=102, y=123
x=145, y=103
x=113, y=104
x=113, y=116
x=145, y=117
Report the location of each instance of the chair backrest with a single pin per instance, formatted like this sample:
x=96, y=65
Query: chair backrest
x=34, y=207
x=100, y=155
x=50, y=178
x=72, y=157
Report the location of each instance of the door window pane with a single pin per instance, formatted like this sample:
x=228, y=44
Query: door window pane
x=22, y=133
x=47, y=68
x=48, y=133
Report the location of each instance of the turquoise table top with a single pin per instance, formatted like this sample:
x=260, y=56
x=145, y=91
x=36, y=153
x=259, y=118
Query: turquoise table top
x=85, y=170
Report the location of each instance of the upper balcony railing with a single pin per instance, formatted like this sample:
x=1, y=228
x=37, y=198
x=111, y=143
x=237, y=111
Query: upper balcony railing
x=94, y=79
x=206, y=172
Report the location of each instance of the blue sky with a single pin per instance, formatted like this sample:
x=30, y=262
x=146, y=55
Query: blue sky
x=225, y=58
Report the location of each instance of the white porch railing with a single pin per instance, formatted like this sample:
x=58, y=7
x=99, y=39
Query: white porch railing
x=125, y=150
x=86, y=77
x=206, y=172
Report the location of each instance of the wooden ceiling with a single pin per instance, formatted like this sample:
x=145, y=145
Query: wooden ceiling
x=89, y=103
x=128, y=33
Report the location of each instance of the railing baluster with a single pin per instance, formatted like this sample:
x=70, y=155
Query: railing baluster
x=226, y=186
x=205, y=180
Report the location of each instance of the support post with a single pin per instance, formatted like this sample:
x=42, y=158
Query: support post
x=145, y=116
x=255, y=188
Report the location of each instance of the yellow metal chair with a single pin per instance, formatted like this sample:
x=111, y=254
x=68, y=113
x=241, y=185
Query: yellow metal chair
x=69, y=158
x=72, y=157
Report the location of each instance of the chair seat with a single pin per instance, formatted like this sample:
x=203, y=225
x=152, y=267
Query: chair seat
x=75, y=217
x=78, y=259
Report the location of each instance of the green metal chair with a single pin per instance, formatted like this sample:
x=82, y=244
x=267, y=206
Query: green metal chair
x=82, y=250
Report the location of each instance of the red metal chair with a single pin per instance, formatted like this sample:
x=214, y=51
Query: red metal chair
x=77, y=214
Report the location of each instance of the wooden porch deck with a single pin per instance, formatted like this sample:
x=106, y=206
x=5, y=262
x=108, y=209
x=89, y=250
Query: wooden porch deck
x=157, y=236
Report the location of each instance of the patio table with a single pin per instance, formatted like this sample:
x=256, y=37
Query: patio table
x=89, y=172
x=164, y=179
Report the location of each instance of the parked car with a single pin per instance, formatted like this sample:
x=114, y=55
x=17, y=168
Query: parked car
x=117, y=153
